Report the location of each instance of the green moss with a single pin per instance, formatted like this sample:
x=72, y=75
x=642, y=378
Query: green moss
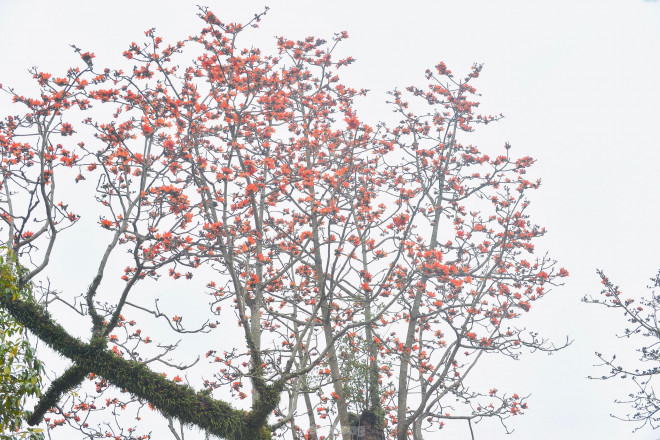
x=68, y=380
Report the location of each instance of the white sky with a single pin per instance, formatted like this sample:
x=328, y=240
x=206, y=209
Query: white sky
x=579, y=84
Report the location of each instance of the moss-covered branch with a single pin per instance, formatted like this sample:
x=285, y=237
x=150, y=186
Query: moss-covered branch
x=171, y=399
x=69, y=379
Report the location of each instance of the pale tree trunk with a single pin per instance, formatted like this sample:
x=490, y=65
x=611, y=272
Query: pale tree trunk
x=335, y=373
x=402, y=421
x=328, y=332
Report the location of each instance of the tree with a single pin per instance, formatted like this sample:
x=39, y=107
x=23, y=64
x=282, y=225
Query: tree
x=643, y=318
x=20, y=377
x=368, y=268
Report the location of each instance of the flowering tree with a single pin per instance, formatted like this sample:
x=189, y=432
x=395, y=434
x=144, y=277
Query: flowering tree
x=643, y=318
x=367, y=269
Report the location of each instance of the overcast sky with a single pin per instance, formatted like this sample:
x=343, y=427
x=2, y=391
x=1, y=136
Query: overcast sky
x=579, y=85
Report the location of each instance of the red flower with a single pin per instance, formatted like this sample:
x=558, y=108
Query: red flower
x=401, y=220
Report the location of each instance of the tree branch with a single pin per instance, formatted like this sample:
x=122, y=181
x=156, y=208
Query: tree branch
x=173, y=400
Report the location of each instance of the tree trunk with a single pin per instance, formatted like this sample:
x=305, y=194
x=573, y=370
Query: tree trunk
x=369, y=426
